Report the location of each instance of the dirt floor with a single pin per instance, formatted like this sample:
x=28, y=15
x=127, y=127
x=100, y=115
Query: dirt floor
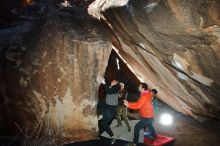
x=186, y=131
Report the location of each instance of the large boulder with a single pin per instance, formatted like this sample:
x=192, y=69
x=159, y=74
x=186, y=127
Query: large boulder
x=49, y=75
x=173, y=46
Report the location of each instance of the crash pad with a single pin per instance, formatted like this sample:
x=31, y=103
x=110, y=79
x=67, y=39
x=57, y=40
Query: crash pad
x=159, y=141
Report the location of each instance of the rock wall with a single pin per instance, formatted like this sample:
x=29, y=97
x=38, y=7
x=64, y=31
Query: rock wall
x=173, y=46
x=49, y=75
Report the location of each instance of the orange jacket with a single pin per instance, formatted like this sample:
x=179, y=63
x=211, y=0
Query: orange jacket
x=144, y=104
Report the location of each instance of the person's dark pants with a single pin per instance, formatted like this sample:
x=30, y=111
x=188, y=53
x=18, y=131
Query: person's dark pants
x=109, y=113
x=144, y=122
x=100, y=107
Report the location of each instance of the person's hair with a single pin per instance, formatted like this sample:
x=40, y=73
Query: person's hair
x=154, y=91
x=145, y=86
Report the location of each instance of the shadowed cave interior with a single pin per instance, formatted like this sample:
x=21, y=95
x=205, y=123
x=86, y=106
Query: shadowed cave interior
x=54, y=53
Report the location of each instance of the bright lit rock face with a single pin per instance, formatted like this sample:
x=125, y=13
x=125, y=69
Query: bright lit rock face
x=49, y=77
x=173, y=46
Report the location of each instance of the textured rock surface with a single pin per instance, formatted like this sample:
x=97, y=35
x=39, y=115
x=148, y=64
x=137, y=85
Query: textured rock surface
x=49, y=75
x=173, y=46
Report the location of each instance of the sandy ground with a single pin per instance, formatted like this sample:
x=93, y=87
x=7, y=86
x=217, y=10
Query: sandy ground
x=185, y=130
x=122, y=132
